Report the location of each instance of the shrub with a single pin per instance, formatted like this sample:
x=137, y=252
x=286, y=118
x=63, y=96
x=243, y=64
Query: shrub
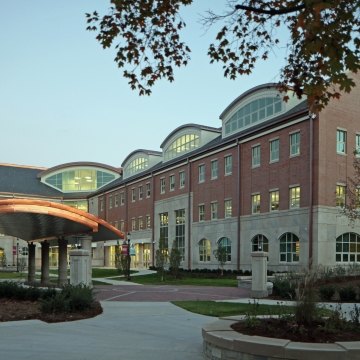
x=347, y=293
x=284, y=288
x=327, y=292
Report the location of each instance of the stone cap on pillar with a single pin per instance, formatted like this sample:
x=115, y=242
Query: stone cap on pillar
x=259, y=254
x=79, y=252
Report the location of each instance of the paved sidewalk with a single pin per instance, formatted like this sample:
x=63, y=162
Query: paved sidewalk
x=126, y=330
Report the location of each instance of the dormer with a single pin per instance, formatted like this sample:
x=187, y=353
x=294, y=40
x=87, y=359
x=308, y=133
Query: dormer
x=139, y=161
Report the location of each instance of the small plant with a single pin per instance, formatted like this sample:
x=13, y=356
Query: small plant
x=161, y=256
x=284, y=287
x=221, y=256
x=251, y=319
x=175, y=260
x=327, y=292
x=3, y=260
x=347, y=293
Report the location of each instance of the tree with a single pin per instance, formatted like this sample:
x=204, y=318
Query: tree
x=221, y=256
x=175, y=260
x=324, y=43
x=351, y=208
x=161, y=258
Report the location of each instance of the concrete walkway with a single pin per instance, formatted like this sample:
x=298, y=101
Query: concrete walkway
x=126, y=330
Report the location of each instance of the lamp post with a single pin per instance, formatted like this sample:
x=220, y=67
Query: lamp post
x=128, y=256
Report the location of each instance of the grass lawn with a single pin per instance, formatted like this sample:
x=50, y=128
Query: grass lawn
x=13, y=275
x=218, y=309
x=154, y=279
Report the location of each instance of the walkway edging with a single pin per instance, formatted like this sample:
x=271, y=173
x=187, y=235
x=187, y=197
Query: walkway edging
x=221, y=342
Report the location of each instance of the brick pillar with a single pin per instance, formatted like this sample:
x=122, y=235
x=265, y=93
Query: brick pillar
x=62, y=266
x=45, y=263
x=31, y=263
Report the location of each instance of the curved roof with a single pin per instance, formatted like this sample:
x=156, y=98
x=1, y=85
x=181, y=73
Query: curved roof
x=32, y=220
x=78, y=164
x=147, y=152
x=196, y=126
x=245, y=94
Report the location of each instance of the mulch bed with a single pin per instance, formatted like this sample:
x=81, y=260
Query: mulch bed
x=13, y=310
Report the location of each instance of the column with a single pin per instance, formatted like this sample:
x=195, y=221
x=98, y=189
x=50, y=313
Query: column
x=62, y=266
x=259, y=274
x=106, y=256
x=45, y=263
x=31, y=263
x=86, y=245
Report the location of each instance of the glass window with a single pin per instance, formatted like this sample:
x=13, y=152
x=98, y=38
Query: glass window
x=228, y=164
x=214, y=169
x=101, y=204
x=294, y=197
x=274, y=150
x=226, y=243
x=133, y=195
x=164, y=229
x=180, y=231
x=204, y=250
x=255, y=156
x=295, y=144
x=122, y=225
x=202, y=212
x=122, y=198
x=255, y=203
x=260, y=243
x=228, y=208
x=172, y=182
x=148, y=221
x=341, y=141
x=140, y=221
x=148, y=190
x=214, y=210
x=254, y=112
x=110, y=202
x=140, y=192
x=201, y=173
x=116, y=200
x=133, y=224
x=274, y=200
x=162, y=186
x=357, y=145
x=137, y=165
x=181, y=145
x=289, y=248
x=181, y=179
x=340, y=195
x=348, y=248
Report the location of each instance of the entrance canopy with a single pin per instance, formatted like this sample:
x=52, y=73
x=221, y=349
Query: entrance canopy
x=36, y=220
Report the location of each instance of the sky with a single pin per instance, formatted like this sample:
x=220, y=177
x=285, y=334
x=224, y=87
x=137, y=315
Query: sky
x=63, y=99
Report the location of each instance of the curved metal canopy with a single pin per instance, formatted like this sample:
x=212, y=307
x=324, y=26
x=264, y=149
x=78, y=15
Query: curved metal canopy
x=36, y=220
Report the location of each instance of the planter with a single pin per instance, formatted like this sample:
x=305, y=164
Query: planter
x=220, y=341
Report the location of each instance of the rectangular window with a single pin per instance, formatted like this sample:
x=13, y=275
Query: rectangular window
x=148, y=221
x=294, y=197
x=214, y=169
x=255, y=156
x=228, y=165
x=181, y=179
x=162, y=186
x=228, y=208
x=148, y=190
x=340, y=195
x=274, y=200
x=101, y=204
x=164, y=229
x=133, y=224
x=116, y=224
x=255, y=204
x=172, y=182
x=214, y=210
x=202, y=212
x=341, y=141
x=116, y=200
x=133, y=195
x=274, y=150
x=201, y=173
x=141, y=225
x=110, y=202
x=140, y=192
x=295, y=144
x=122, y=198
x=122, y=225
x=180, y=232
x=357, y=145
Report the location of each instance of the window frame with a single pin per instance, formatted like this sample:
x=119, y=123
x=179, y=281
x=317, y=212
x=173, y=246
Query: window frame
x=273, y=159
x=201, y=212
x=255, y=156
x=255, y=203
x=162, y=185
x=341, y=143
x=294, y=197
x=228, y=165
x=214, y=208
x=214, y=169
x=277, y=200
x=201, y=173
x=227, y=213
x=294, y=146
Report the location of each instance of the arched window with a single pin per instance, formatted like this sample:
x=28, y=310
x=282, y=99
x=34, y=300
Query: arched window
x=204, y=250
x=182, y=145
x=260, y=243
x=226, y=243
x=348, y=248
x=137, y=165
x=289, y=248
x=254, y=112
